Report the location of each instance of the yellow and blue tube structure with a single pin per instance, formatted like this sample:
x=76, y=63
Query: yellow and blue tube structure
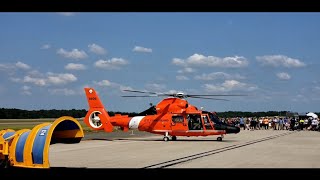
x=30, y=148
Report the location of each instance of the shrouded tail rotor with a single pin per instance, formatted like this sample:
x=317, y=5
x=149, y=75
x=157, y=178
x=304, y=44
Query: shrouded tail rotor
x=94, y=119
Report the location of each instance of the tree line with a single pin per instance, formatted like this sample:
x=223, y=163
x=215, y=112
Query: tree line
x=13, y=113
x=6, y=113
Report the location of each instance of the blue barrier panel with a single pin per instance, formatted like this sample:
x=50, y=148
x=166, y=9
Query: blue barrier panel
x=20, y=146
x=38, y=145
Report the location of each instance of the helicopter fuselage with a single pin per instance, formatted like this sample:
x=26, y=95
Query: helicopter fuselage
x=174, y=117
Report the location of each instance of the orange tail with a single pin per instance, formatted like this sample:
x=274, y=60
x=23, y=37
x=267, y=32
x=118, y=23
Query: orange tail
x=97, y=117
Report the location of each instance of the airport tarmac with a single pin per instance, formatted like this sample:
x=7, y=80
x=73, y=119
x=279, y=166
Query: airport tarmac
x=247, y=149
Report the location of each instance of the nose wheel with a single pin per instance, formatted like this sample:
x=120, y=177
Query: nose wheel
x=166, y=138
x=173, y=138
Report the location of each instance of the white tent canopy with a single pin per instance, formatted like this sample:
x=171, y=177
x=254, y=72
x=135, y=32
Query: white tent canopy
x=312, y=115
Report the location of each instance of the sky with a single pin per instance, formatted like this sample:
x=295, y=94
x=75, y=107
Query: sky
x=46, y=59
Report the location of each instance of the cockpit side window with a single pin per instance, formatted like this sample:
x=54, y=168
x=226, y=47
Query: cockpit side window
x=206, y=122
x=177, y=119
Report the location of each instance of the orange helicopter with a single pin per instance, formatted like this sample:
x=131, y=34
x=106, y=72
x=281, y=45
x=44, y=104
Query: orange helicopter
x=171, y=117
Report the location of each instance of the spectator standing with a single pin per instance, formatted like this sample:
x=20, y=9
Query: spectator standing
x=281, y=124
x=292, y=123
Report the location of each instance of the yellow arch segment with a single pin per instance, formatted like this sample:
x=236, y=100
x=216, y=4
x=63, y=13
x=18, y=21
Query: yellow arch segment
x=4, y=144
x=2, y=132
x=27, y=152
x=78, y=134
x=12, y=150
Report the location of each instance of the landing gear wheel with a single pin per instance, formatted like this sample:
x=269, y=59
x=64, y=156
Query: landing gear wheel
x=166, y=139
x=174, y=138
x=219, y=138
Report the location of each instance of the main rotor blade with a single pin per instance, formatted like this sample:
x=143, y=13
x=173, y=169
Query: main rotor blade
x=138, y=91
x=141, y=96
x=198, y=95
x=209, y=98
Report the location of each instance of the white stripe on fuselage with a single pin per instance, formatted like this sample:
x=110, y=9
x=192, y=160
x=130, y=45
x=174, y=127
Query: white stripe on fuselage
x=134, y=122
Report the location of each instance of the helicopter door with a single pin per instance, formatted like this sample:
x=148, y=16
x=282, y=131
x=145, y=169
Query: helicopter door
x=194, y=122
x=177, y=122
x=207, y=123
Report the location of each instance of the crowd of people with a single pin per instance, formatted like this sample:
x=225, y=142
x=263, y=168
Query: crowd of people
x=275, y=123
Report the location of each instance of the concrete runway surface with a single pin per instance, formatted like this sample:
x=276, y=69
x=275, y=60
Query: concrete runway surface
x=247, y=149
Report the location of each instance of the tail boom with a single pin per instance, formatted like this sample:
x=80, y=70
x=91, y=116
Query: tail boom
x=97, y=117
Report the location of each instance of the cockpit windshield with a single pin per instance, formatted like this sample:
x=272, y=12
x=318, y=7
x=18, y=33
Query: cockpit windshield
x=214, y=118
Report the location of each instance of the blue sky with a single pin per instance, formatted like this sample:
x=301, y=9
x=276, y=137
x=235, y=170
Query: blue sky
x=46, y=59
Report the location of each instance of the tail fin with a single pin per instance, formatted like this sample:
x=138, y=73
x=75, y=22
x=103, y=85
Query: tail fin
x=97, y=116
x=93, y=99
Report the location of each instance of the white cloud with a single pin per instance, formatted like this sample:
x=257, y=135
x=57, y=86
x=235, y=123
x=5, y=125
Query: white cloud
x=122, y=87
x=187, y=70
x=103, y=83
x=67, y=13
x=97, y=49
x=181, y=78
x=172, y=91
x=45, y=46
x=46, y=80
x=283, y=76
x=23, y=66
x=300, y=98
x=64, y=91
x=35, y=81
x=178, y=62
x=11, y=69
x=155, y=87
x=6, y=67
x=26, y=90
x=15, y=79
x=114, y=63
x=74, y=54
x=73, y=66
x=58, y=79
x=280, y=60
x=229, y=85
x=35, y=73
x=26, y=93
x=218, y=75
x=109, y=84
x=212, y=61
x=142, y=49
x=316, y=88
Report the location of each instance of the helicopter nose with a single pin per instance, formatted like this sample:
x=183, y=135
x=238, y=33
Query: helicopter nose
x=232, y=129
